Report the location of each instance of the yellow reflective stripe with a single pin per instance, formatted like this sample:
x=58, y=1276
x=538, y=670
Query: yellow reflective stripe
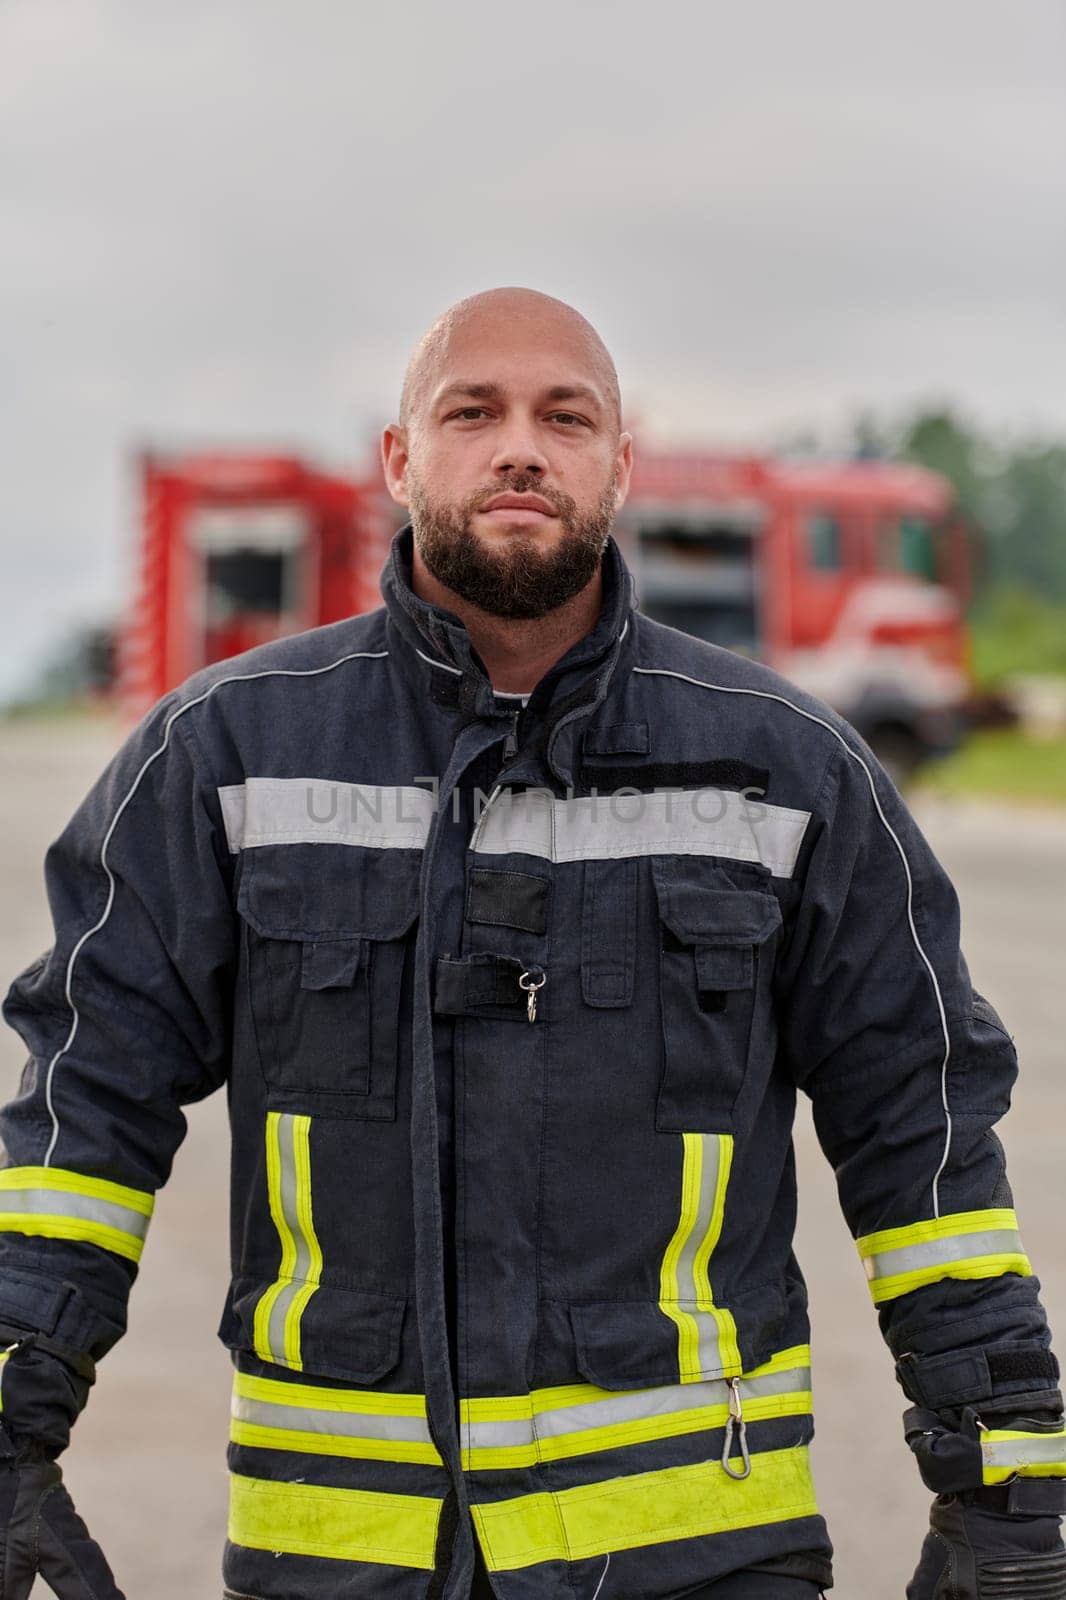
x=261, y=1436
x=304, y=1519
x=616, y=1435
x=363, y=1424
x=968, y=1245
x=799, y=1355
x=574, y=1419
x=52, y=1202
x=44, y=1225
x=261, y=1323
x=1009, y=1453
x=714, y=1228
x=274, y=1391
x=687, y=1340
x=302, y=1165
x=278, y=1315
x=727, y=1329
x=934, y=1228
x=648, y=1508
x=685, y=1294
x=61, y=1180
x=974, y=1267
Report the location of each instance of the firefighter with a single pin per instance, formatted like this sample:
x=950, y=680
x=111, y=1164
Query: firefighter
x=513, y=922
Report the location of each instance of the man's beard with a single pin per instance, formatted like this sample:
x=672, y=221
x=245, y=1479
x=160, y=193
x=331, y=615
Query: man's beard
x=512, y=578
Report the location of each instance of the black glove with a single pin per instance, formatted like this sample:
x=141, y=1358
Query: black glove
x=40, y=1532
x=975, y=1553
x=41, y=1394
x=999, y=1541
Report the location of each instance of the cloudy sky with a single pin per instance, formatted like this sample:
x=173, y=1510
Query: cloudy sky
x=227, y=222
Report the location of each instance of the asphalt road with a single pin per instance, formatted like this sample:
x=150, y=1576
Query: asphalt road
x=147, y=1465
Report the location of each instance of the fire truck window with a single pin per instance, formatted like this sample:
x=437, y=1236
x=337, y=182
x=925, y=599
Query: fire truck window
x=825, y=543
x=917, y=548
x=243, y=581
x=700, y=576
x=907, y=544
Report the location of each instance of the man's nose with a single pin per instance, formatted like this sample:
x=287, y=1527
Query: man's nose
x=517, y=450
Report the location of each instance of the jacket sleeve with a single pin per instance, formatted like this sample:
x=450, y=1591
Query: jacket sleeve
x=908, y=1070
x=126, y=1018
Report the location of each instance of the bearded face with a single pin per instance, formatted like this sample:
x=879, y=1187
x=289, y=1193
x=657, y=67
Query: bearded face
x=512, y=576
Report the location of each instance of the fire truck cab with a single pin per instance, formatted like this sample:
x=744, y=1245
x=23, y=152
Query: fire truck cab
x=850, y=579
x=238, y=549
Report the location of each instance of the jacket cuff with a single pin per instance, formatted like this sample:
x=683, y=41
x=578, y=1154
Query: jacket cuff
x=1026, y=1375
x=1028, y=1497
x=75, y=1327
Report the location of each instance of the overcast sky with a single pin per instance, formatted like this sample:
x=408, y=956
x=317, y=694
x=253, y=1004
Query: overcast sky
x=228, y=222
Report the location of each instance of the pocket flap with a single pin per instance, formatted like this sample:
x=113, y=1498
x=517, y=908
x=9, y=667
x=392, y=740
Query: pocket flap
x=624, y=1344
x=617, y=739
x=329, y=891
x=724, y=966
x=352, y=1334
x=330, y=964
x=632, y=1344
x=702, y=905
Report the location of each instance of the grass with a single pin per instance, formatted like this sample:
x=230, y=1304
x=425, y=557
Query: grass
x=1014, y=631
x=1002, y=763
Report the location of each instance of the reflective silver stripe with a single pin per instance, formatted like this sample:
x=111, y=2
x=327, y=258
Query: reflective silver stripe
x=443, y=665
x=689, y=1288
x=264, y=811
x=286, y=1126
x=686, y=822
x=942, y=1252
x=1036, y=1450
x=639, y=1406
x=341, y=1424
x=65, y=1203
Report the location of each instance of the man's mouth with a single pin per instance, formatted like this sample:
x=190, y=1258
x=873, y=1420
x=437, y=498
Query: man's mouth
x=533, y=504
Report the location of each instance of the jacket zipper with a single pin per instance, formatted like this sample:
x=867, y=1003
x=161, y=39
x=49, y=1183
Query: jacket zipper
x=510, y=743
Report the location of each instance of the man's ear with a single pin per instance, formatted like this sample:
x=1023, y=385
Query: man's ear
x=394, y=462
x=623, y=470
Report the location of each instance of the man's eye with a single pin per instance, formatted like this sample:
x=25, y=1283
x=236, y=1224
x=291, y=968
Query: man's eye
x=470, y=413
x=568, y=417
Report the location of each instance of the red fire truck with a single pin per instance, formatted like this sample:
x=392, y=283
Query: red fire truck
x=850, y=579
x=236, y=549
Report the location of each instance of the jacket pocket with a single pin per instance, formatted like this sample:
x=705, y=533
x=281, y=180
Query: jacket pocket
x=351, y=1334
x=634, y=1344
x=712, y=938
x=624, y=1344
x=327, y=932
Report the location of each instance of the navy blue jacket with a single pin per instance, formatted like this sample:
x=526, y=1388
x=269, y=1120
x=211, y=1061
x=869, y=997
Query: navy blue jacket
x=512, y=1006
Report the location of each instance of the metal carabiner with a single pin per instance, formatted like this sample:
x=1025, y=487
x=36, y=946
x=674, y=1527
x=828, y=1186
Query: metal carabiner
x=737, y=1425
x=529, y=986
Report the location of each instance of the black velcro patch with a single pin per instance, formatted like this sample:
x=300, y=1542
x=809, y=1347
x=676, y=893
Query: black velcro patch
x=508, y=899
x=1022, y=1365
x=725, y=773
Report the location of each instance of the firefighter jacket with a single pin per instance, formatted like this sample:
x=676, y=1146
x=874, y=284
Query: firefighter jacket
x=512, y=1004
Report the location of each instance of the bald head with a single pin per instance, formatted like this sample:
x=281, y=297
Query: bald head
x=507, y=316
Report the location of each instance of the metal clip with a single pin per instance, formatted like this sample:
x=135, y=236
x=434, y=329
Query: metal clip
x=737, y=1425
x=529, y=986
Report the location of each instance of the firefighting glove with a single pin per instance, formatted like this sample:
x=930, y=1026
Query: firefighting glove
x=41, y=1394
x=994, y=1530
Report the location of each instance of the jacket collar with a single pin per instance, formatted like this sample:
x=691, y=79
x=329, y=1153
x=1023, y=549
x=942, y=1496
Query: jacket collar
x=438, y=641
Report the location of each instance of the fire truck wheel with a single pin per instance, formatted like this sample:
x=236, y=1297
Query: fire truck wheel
x=899, y=751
